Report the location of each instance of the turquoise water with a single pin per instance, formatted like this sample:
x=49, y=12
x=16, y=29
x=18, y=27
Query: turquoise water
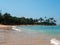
x=54, y=30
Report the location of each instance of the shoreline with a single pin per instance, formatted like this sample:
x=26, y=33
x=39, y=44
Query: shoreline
x=7, y=27
x=24, y=38
x=14, y=28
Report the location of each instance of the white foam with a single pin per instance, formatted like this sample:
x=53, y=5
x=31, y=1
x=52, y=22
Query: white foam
x=55, y=41
x=14, y=28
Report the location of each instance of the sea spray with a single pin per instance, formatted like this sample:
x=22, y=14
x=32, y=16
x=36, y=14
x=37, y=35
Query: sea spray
x=55, y=41
x=14, y=28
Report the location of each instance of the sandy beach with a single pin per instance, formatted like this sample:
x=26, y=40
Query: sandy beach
x=5, y=27
x=13, y=37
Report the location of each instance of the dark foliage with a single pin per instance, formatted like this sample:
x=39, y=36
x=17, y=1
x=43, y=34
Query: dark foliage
x=7, y=19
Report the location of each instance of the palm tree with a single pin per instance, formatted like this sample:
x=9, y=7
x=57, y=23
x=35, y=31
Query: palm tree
x=41, y=19
x=52, y=20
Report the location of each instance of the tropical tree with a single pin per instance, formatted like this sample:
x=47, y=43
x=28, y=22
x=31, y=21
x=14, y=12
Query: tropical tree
x=7, y=19
x=0, y=17
x=52, y=20
x=41, y=19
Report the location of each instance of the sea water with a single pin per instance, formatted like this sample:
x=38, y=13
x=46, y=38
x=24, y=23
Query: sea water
x=50, y=30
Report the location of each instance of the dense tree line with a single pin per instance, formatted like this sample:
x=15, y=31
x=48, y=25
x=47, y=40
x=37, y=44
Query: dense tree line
x=7, y=19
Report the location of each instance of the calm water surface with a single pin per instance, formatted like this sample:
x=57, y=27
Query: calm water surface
x=50, y=30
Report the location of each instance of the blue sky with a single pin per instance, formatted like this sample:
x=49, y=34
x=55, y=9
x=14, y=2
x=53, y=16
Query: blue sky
x=32, y=8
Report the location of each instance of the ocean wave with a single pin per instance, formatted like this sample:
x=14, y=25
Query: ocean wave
x=55, y=41
x=14, y=28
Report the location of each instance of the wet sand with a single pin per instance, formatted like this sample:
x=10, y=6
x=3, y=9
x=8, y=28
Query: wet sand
x=12, y=37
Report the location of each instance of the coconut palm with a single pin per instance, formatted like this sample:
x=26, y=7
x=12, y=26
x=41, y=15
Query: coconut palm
x=41, y=19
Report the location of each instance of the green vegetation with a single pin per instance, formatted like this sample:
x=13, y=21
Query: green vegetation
x=7, y=19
